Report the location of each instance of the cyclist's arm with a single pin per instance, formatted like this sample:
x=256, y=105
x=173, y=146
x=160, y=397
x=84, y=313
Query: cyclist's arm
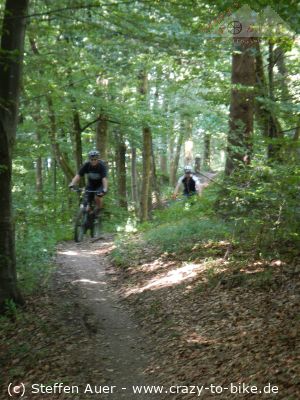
x=177, y=187
x=75, y=180
x=198, y=186
x=105, y=184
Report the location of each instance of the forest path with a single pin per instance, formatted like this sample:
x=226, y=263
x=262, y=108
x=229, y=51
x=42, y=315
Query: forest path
x=119, y=348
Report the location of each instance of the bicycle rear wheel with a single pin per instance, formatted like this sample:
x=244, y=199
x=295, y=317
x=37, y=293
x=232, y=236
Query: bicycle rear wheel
x=80, y=226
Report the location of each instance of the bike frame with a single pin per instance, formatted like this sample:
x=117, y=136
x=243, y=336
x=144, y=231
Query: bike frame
x=85, y=219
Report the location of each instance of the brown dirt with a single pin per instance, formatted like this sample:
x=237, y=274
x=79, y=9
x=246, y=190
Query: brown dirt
x=158, y=322
x=78, y=332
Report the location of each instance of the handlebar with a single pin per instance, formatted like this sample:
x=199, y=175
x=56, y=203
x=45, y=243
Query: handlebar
x=80, y=190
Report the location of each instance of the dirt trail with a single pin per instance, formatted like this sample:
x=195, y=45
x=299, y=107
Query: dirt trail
x=119, y=349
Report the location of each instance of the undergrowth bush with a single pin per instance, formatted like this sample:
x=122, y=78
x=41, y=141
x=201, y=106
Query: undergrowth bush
x=39, y=227
x=177, y=228
x=34, y=252
x=256, y=210
x=263, y=202
x=184, y=234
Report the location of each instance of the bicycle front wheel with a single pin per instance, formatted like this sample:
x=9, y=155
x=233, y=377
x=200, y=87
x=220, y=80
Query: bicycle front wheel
x=96, y=227
x=80, y=226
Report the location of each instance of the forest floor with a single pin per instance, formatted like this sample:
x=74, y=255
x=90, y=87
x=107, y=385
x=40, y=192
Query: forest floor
x=159, y=322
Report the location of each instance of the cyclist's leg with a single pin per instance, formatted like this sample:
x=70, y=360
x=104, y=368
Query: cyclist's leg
x=99, y=200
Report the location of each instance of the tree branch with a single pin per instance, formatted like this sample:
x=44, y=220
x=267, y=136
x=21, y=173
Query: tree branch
x=96, y=120
x=82, y=7
x=291, y=129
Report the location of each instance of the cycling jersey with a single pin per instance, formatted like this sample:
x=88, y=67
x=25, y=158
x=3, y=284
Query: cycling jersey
x=95, y=174
x=191, y=184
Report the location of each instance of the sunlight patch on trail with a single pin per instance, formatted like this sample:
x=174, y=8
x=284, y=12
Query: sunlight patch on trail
x=89, y=282
x=68, y=252
x=173, y=277
x=84, y=253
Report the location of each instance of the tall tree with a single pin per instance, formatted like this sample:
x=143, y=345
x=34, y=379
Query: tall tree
x=274, y=130
x=207, y=150
x=102, y=136
x=11, y=60
x=147, y=142
x=241, y=106
x=76, y=131
x=134, y=178
x=265, y=100
x=58, y=154
x=175, y=161
x=121, y=167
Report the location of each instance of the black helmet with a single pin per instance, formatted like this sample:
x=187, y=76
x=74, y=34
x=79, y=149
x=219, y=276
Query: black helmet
x=94, y=153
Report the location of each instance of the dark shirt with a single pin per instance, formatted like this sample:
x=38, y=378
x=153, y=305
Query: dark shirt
x=190, y=184
x=95, y=173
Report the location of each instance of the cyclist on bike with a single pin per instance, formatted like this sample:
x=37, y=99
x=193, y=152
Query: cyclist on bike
x=96, y=171
x=190, y=182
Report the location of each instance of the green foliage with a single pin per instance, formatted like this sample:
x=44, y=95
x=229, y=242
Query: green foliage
x=183, y=235
x=11, y=310
x=92, y=67
x=180, y=228
x=113, y=217
x=34, y=253
x=127, y=251
x=41, y=221
x=263, y=203
x=256, y=211
x=186, y=208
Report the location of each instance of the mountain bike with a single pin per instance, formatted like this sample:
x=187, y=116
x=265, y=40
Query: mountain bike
x=86, y=218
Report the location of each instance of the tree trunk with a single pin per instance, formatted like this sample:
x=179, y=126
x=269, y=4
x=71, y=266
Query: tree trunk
x=60, y=158
x=189, y=144
x=134, y=183
x=265, y=116
x=155, y=182
x=197, y=165
x=76, y=126
x=54, y=169
x=273, y=146
x=121, y=169
x=76, y=132
x=77, y=137
x=39, y=173
x=171, y=157
x=261, y=112
x=39, y=162
x=175, y=162
x=163, y=159
x=102, y=137
x=239, y=147
x=146, y=172
x=11, y=60
x=57, y=154
x=147, y=140
x=207, y=150
x=279, y=59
